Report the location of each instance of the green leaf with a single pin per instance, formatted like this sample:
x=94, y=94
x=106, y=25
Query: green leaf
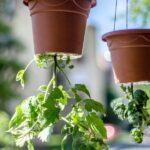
x=119, y=108
x=91, y=105
x=43, y=88
x=45, y=133
x=17, y=117
x=82, y=88
x=146, y=88
x=40, y=97
x=97, y=125
x=51, y=115
x=68, y=61
x=32, y=111
x=22, y=82
x=77, y=98
x=30, y=146
x=23, y=138
x=116, y=103
x=29, y=105
x=64, y=99
x=20, y=75
x=76, y=136
x=55, y=95
x=71, y=66
x=82, y=146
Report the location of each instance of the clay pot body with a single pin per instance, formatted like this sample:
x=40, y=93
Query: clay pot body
x=59, y=25
x=130, y=53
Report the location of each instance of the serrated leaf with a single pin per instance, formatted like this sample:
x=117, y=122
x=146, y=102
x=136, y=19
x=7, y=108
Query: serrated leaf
x=56, y=94
x=45, y=133
x=51, y=115
x=22, y=139
x=17, y=116
x=91, y=105
x=82, y=88
x=97, y=125
x=117, y=102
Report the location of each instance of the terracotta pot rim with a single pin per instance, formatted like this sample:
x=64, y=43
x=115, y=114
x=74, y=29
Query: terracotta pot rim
x=124, y=32
x=94, y=2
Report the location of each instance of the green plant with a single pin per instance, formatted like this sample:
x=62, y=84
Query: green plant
x=135, y=110
x=140, y=11
x=37, y=115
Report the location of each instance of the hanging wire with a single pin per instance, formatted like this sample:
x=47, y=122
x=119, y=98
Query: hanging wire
x=127, y=13
x=116, y=5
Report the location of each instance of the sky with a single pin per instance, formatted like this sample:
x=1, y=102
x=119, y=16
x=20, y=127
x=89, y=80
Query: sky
x=102, y=16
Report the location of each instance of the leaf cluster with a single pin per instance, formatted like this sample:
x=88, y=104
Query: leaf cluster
x=36, y=116
x=135, y=110
x=140, y=11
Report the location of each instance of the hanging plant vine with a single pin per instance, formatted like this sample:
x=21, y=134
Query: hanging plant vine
x=135, y=110
x=36, y=115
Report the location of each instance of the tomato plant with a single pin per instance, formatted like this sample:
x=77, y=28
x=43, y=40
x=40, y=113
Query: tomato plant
x=36, y=116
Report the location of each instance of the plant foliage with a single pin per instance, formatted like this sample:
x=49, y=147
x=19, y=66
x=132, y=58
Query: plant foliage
x=37, y=115
x=135, y=110
x=140, y=11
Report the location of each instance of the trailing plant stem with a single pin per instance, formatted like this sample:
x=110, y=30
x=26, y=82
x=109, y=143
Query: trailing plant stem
x=65, y=120
x=55, y=71
x=29, y=64
x=132, y=90
x=64, y=74
x=48, y=87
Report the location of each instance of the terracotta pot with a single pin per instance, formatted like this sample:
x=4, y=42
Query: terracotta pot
x=59, y=25
x=130, y=53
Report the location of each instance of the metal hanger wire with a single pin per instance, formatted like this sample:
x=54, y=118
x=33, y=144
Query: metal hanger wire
x=127, y=13
x=115, y=18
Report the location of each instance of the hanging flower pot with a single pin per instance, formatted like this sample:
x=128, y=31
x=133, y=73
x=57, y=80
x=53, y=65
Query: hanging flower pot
x=130, y=52
x=59, y=25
